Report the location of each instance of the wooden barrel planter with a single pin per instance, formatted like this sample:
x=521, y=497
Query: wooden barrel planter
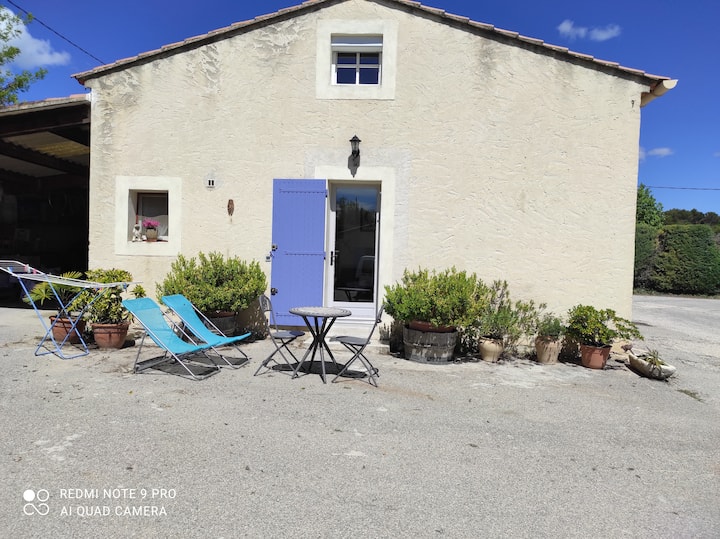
x=429, y=347
x=224, y=321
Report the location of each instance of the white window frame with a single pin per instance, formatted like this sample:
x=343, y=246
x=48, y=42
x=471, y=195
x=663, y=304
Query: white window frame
x=126, y=189
x=356, y=45
x=358, y=30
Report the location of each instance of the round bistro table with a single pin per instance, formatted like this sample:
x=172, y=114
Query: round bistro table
x=319, y=320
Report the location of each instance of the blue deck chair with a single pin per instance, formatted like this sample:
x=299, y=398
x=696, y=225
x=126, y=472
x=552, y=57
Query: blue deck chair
x=197, y=323
x=357, y=346
x=152, y=319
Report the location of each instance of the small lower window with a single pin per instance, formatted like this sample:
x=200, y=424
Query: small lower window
x=150, y=206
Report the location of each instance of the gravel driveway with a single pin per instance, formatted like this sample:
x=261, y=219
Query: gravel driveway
x=514, y=449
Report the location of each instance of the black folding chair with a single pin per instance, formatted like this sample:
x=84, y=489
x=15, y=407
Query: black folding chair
x=281, y=338
x=357, y=346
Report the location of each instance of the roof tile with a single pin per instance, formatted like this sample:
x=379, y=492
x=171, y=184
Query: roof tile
x=409, y=3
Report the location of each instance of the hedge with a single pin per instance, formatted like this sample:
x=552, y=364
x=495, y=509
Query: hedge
x=687, y=260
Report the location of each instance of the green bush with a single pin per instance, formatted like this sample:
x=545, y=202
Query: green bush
x=214, y=283
x=501, y=318
x=107, y=308
x=646, y=245
x=598, y=327
x=549, y=325
x=687, y=262
x=446, y=298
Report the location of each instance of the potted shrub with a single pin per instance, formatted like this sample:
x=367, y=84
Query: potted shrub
x=108, y=319
x=501, y=323
x=220, y=287
x=548, y=341
x=73, y=300
x=431, y=305
x=595, y=330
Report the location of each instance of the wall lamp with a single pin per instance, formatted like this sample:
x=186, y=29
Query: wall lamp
x=354, y=159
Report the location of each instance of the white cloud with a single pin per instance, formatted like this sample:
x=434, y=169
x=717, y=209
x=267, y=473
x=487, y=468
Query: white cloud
x=568, y=29
x=716, y=154
x=642, y=154
x=660, y=152
x=603, y=34
x=35, y=52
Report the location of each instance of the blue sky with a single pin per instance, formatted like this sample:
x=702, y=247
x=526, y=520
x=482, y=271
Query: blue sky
x=680, y=135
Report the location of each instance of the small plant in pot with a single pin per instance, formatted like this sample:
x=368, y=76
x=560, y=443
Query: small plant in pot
x=71, y=297
x=108, y=319
x=151, y=229
x=650, y=364
x=595, y=330
x=548, y=341
x=430, y=304
x=220, y=287
x=501, y=323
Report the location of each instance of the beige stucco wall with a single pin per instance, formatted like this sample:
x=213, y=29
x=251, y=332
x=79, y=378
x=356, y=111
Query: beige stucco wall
x=499, y=160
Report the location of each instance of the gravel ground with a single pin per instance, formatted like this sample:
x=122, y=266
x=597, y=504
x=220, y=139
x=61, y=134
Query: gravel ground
x=513, y=449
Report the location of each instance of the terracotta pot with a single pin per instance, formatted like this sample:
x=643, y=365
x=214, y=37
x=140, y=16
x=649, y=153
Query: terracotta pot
x=490, y=349
x=594, y=357
x=547, y=349
x=110, y=335
x=62, y=327
x=151, y=234
x=419, y=325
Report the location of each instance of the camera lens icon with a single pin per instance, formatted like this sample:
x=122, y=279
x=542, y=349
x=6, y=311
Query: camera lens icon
x=40, y=508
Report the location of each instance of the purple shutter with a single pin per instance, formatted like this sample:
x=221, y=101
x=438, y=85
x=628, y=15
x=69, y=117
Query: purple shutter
x=298, y=237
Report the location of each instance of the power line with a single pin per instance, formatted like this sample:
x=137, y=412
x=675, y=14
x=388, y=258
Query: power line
x=685, y=188
x=34, y=18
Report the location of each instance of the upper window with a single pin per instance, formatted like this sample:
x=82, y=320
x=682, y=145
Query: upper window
x=357, y=59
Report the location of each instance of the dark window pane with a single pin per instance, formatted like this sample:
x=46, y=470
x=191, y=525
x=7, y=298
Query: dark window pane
x=369, y=75
x=346, y=76
x=346, y=58
x=370, y=58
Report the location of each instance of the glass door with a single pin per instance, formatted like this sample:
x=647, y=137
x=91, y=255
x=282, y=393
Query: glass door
x=353, y=247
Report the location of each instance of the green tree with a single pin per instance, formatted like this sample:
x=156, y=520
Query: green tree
x=13, y=82
x=648, y=211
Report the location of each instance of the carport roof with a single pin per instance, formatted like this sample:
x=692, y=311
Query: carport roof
x=42, y=139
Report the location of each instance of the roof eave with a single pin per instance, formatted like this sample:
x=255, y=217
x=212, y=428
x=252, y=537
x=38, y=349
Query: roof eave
x=660, y=88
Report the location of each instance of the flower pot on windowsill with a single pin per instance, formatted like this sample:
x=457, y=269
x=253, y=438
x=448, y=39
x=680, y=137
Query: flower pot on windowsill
x=151, y=234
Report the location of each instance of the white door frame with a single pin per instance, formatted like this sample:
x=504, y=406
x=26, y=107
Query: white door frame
x=386, y=177
x=362, y=310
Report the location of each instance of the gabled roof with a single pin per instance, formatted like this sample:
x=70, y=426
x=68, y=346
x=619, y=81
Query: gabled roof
x=487, y=30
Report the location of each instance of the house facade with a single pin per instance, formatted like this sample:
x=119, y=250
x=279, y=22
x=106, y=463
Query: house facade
x=472, y=146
